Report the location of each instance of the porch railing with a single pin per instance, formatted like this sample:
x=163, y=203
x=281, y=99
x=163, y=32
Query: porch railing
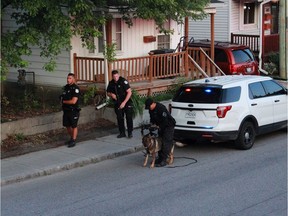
x=271, y=42
x=151, y=67
x=252, y=41
x=147, y=72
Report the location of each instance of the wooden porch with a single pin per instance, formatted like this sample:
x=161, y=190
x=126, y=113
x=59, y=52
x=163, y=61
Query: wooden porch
x=270, y=42
x=148, y=75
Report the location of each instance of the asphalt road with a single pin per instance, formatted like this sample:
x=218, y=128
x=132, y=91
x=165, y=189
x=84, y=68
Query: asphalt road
x=224, y=181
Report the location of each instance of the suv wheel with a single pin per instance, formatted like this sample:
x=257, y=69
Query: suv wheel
x=246, y=136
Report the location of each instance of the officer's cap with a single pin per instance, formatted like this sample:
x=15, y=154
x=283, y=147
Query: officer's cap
x=148, y=103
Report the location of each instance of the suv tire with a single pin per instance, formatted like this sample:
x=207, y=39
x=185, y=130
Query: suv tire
x=246, y=136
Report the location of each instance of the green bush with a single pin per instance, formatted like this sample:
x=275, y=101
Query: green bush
x=272, y=63
x=89, y=95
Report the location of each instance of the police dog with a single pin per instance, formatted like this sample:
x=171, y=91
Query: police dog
x=153, y=144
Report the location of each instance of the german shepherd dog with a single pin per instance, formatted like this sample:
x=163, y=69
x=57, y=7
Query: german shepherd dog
x=153, y=144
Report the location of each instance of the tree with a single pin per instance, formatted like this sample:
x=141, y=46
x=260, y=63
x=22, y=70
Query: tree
x=50, y=25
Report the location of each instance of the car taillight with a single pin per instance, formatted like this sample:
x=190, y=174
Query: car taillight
x=232, y=69
x=222, y=110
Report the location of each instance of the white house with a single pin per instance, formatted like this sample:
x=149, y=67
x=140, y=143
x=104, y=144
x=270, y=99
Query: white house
x=135, y=41
x=238, y=17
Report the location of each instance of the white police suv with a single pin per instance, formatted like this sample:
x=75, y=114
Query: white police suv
x=226, y=108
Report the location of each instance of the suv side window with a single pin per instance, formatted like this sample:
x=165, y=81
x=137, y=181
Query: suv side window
x=256, y=90
x=241, y=56
x=273, y=88
x=231, y=94
x=220, y=56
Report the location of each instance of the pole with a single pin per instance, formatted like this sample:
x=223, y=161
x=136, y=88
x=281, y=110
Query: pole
x=283, y=31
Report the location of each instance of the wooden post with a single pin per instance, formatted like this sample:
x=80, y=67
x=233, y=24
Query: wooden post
x=186, y=62
x=151, y=65
x=186, y=32
x=212, y=41
x=75, y=69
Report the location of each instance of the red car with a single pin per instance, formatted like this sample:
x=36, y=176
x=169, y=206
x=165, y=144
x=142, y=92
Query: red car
x=231, y=58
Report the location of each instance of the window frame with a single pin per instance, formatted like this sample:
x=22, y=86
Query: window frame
x=248, y=26
x=99, y=40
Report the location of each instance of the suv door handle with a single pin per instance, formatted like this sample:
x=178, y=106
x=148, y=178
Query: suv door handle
x=254, y=104
x=276, y=101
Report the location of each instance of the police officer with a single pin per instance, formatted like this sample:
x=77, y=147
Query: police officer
x=71, y=110
x=119, y=90
x=160, y=116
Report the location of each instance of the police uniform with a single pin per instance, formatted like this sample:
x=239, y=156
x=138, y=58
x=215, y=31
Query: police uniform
x=162, y=118
x=120, y=88
x=71, y=112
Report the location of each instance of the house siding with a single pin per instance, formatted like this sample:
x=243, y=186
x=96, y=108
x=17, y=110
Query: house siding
x=132, y=40
x=237, y=26
x=132, y=46
x=36, y=63
x=228, y=20
x=200, y=29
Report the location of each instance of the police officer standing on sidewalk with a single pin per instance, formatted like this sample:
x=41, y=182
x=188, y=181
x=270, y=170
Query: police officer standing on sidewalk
x=160, y=116
x=71, y=110
x=119, y=90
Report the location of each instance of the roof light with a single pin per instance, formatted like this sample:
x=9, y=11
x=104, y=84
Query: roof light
x=208, y=90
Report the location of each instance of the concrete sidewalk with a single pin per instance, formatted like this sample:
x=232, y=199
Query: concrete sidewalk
x=47, y=162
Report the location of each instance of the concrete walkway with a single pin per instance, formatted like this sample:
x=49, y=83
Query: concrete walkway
x=47, y=162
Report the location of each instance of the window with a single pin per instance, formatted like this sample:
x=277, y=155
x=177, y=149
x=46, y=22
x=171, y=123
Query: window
x=275, y=17
x=100, y=41
x=231, y=94
x=256, y=90
x=249, y=13
x=92, y=41
x=194, y=94
x=118, y=33
x=273, y=88
x=163, y=41
x=220, y=56
x=241, y=56
x=116, y=37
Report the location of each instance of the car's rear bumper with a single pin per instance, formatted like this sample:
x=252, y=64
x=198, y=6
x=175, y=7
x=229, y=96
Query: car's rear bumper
x=209, y=135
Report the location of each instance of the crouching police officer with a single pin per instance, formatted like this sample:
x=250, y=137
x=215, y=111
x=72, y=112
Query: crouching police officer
x=71, y=110
x=160, y=116
x=120, y=92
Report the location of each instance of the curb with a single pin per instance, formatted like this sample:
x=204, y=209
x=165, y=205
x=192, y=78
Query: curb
x=75, y=164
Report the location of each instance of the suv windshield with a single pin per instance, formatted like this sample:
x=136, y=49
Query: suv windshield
x=207, y=94
x=241, y=56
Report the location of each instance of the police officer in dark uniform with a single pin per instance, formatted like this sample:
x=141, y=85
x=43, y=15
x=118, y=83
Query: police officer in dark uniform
x=70, y=107
x=119, y=90
x=160, y=116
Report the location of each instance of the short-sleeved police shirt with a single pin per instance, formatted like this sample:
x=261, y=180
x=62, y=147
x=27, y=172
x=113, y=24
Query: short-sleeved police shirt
x=161, y=117
x=119, y=88
x=71, y=91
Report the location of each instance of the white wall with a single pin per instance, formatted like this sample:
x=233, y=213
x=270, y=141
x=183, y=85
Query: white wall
x=132, y=40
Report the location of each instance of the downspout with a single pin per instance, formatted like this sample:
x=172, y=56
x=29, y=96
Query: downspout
x=261, y=35
x=105, y=59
